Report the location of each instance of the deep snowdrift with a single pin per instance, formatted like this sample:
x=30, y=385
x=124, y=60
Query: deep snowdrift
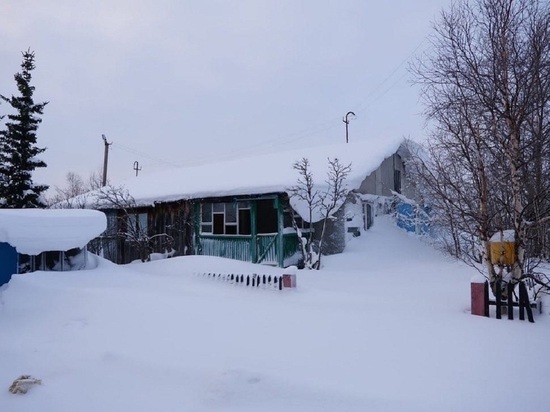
x=383, y=327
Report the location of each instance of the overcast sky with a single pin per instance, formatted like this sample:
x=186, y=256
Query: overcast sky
x=181, y=82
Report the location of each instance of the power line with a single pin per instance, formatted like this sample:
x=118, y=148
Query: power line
x=293, y=137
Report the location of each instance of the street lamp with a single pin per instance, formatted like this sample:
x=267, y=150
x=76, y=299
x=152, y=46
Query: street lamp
x=346, y=120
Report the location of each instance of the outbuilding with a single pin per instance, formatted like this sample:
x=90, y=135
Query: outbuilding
x=46, y=239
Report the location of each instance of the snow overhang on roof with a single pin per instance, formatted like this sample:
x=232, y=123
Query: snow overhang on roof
x=256, y=175
x=33, y=231
x=263, y=173
x=504, y=236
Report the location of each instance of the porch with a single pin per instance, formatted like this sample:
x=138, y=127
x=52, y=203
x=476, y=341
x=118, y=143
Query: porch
x=251, y=229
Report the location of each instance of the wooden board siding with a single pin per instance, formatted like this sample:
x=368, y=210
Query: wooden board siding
x=232, y=247
x=239, y=247
x=176, y=220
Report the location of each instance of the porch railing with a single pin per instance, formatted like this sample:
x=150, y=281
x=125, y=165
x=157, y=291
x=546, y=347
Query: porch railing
x=239, y=247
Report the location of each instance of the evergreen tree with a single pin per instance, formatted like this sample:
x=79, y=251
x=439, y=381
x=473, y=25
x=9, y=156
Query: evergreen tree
x=18, y=149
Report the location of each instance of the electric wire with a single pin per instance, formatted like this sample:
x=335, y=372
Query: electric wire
x=265, y=146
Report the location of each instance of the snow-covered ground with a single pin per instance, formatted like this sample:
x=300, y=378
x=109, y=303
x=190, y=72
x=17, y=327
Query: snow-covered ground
x=384, y=326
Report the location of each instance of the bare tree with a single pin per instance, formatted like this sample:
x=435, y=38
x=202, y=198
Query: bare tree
x=334, y=196
x=486, y=87
x=70, y=196
x=130, y=227
x=75, y=193
x=95, y=180
x=322, y=204
x=305, y=191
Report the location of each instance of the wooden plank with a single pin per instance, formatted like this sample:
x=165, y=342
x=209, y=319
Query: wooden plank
x=486, y=293
x=510, y=296
x=498, y=299
x=524, y=298
x=280, y=237
x=253, y=232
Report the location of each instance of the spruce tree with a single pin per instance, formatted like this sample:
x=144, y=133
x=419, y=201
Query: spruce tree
x=18, y=147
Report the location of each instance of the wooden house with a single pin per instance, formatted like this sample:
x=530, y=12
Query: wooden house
x=241, y=209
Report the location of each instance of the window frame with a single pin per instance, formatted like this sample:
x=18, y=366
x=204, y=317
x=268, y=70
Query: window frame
x=230, y=218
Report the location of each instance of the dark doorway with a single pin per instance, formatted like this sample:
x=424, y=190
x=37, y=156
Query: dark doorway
x=267, y=216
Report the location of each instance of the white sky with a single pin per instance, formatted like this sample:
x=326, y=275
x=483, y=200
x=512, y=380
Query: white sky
x=181, y=82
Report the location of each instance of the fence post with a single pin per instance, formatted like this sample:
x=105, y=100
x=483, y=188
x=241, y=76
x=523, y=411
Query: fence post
x=498, y=298
x=480, y=296
x=510, y=292
x=524, y=301
x=289, y=277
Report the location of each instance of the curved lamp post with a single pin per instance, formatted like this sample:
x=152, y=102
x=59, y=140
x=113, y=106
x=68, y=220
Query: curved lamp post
x=346, y=120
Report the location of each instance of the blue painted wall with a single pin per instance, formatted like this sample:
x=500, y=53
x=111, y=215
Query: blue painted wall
x=406, y=217
x=8, y=262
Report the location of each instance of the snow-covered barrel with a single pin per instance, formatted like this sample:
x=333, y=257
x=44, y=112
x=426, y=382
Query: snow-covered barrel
x=503, y=248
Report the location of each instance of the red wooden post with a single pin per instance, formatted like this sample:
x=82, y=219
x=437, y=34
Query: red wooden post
x=289, y=281
x=480, y=297
x=289, y=277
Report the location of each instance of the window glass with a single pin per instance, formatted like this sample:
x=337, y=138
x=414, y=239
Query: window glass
x=397, y=181
x=112, y=224
x=26, y=264
x=206, y=228
x=142, y=221
x=287, y=219
x=230, y=213
x=207, y=212
x=39, y=262
x=218, y=224
x=218, y=207
x=138, y=223
x=244, y=222
x=230, y=229
x=52, y=261
x=74, y=259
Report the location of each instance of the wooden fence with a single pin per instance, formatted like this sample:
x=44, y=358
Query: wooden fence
x=252, y=280
x=508, y=300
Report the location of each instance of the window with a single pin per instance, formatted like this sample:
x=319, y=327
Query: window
x=206, y=218
x=229, y=218
x=112, y=223
x=397, y=181
x=138, y=223
x=26, y=264
x=289, y=215
x=54, y=260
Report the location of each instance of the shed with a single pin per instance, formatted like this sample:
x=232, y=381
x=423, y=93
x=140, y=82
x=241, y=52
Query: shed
x=38, y=239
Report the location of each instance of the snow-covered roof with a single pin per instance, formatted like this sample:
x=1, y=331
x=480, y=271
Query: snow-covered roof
x=260, y=174
x=33, y=231
x=504, y=236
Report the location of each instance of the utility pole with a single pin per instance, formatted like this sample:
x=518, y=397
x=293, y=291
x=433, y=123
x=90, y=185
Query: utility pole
x=346, y=121
x=105, y=159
